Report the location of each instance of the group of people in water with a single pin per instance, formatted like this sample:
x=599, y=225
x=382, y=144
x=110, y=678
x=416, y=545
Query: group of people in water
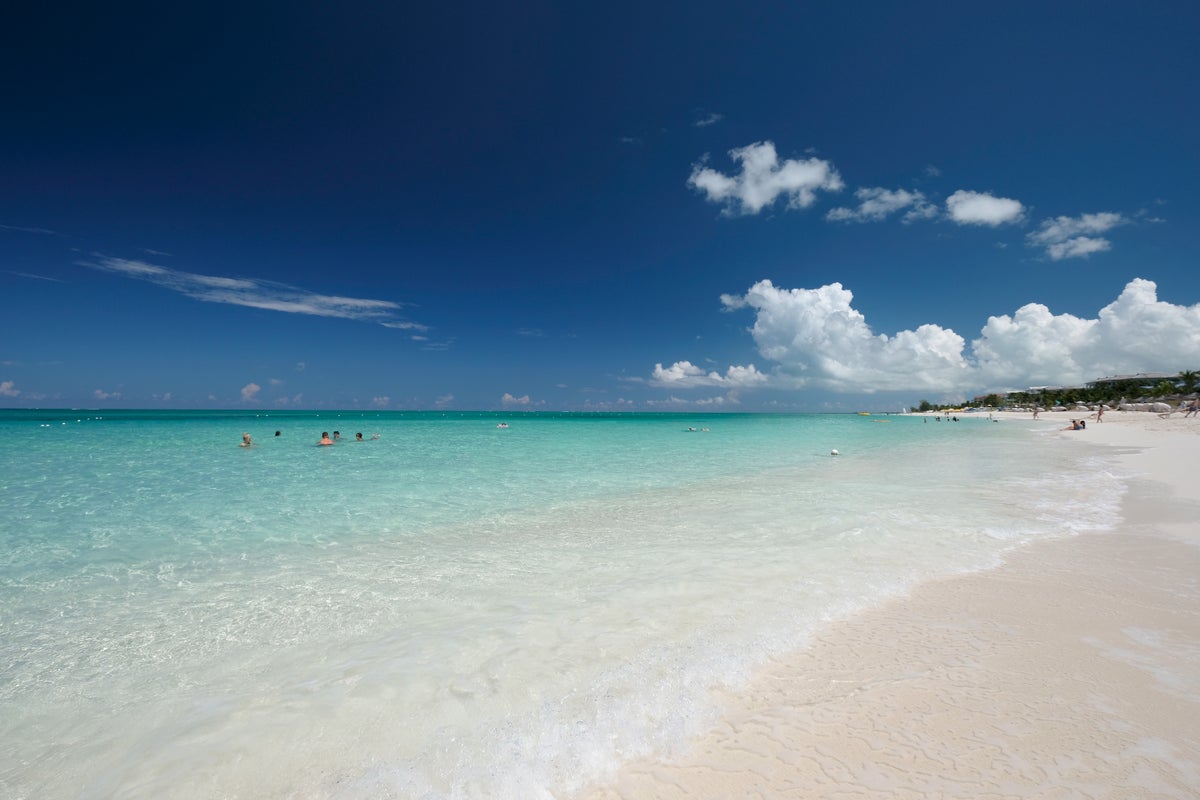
x=247, y=441
x=337, y=437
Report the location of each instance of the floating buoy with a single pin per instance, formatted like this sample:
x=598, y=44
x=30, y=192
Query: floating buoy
x=833, y=452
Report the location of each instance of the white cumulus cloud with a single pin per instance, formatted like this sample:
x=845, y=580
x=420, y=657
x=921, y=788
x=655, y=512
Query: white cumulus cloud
x=1135, y=333
x=1075, y=237
x=981, y=208
x=708, y=403
x=816, y=338
x=685, y=374
x=877, y=203
x=764, y=179
x=9, y=389
x=510, y=400
x=1079, y=246
x=250, y=392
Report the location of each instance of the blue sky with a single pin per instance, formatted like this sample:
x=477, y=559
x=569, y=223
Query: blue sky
x=624, y=206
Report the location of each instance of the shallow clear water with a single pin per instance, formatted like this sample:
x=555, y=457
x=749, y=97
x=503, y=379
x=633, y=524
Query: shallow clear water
x=455, y=609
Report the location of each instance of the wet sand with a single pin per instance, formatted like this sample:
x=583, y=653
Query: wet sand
x=1073, y=671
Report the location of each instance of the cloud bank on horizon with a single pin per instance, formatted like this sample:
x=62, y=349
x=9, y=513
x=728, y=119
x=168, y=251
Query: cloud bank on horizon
x=816, y=338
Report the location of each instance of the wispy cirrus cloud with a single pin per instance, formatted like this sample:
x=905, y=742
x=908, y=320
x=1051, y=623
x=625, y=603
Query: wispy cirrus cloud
x=255, y=293
x=20, y=229
x=406, y=325
x=31, y=276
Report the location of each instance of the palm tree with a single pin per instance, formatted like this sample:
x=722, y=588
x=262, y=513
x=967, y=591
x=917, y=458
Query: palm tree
x=1163, y=389
x=1189, y=379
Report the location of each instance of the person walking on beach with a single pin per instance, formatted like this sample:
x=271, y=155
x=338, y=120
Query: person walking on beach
x=1100, y=413
x=1193, y=408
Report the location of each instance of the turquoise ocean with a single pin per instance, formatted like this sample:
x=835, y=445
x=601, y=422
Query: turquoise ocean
x=458, y=609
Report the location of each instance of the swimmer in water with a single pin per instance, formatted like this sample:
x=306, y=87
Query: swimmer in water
x=246, y=441
x=325, y=440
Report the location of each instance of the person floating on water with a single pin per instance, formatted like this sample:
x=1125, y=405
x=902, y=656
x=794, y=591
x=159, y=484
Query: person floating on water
x=325, y=440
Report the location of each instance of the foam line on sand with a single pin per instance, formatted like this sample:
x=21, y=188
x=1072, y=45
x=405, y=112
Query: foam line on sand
x=1073, y=671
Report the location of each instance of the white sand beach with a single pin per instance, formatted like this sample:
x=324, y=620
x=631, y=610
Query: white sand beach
x=1073, y=671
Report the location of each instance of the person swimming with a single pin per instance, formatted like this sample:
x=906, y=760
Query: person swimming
x=325, y=440
x=246, y=441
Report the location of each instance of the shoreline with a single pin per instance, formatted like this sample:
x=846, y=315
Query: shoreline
x=1072, y=670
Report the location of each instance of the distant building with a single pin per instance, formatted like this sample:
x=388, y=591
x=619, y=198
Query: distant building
x=1133, y=383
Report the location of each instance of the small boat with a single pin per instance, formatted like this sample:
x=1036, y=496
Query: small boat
x=502, y=425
